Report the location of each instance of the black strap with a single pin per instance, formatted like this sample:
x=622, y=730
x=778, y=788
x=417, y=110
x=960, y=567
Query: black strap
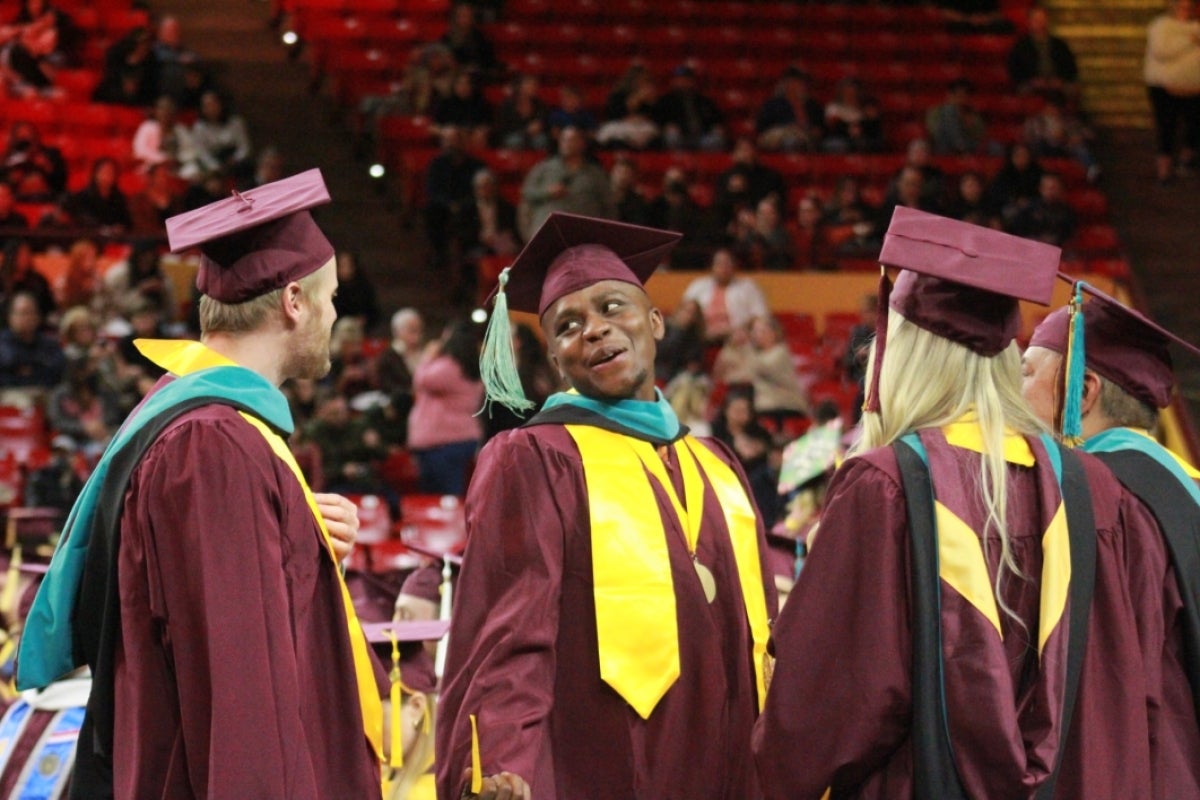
x=96, y=620
x=1081, y=532
x=934, y=772
x=1179, y=519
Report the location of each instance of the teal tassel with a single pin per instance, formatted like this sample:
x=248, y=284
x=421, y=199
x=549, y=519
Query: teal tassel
x=1072, y=418
x=497, y=361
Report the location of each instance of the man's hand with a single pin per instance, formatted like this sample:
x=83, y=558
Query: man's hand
x=341, y=518
x=502, y=786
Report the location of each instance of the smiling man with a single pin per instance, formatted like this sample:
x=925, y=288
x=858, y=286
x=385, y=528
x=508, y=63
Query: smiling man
x=611, y=617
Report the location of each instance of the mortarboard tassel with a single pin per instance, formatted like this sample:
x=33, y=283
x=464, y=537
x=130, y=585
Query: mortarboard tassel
x=871, y=397
x=1072, y=414
x=396, y=757
x=476, y=761
x=497, y=361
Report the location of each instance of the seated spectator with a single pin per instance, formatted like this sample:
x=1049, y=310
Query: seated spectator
x=31, y=362
x=101, y=204
x=632, y=206
x=728, y=301
x=745, y=183
x=778, y=393
x=485, y=226
x=688, y=118
x=1055, y=132
x=683, y=344
x=163, y=139
x=209, y=188
x=919, y=155
x=1039, y=61
x=56, y=218
x=676, y=209
x=852, y=121
x=629, y=112
x=762, y=241
x=792, y=119
x=736, y=415
x=569, y=181
x=448, y=188
x=908, y=191
x=396, y=365
x=968, y=202
x=131, y=71
x=521, y=118
x=81, y=408
x=135, y=373
x=28, y=54
x=810, y=235
x=13, y=224
x=58, y=31
x=174, y=59
x=469, y=44
x=444, y=429
x=847, y=206
x=350, y=450
x=466, y=109
x=196, y=83
x=58, y=483
x=35, y=171
x=219, y=138
x=349, y=371
x=1016, y=184
x=955, y=127
x=82, y=276
x=78, y=333
x=139, y=277
x=160, y=198
x=428, y=75
x=570, y=113
x=356, y=295
x=21, y=276
x=1048, y=217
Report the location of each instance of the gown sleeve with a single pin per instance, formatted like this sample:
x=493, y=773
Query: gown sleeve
x=839, y=702
x=501, y=661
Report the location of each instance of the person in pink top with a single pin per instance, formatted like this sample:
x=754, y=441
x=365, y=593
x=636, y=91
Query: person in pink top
x=443, y=429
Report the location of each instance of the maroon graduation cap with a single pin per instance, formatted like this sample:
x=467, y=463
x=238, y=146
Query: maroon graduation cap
x=570, y=252
x=256, y=241
x=959, y=281
x=1120, y=344
x=424, y=583
x=417, y=672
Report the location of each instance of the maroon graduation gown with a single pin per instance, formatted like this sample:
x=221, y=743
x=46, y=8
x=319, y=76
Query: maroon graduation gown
x=233, y=674
x=839, y=707
x=523, y=655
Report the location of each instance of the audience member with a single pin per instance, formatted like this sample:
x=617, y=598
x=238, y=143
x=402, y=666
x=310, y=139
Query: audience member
x=28, y=54
x=570, y=113
x=220, y=139
x=631, y=204
x=137, y=278
x=444, y=429
x=728, y=301
x=174, y=59
x=469, y=44
x=61, y=36
x=80, y=280
x=778, y=393
x=847, y=206
x=1039, y=61
x=731, y=367
x=791, y=119
x=59, y=482
x=1048, y=217
x=81, y=408
x=349, y=371
x=208, y=188
x=101, y=204
x=761, y=238
x=745, y=183
x=20, y=275
x=35, y=171
x=810, y=235
x=466, y=109
x=427, y=77
x=356, y=295
x=676, y=209
x=968, y=202
x=396, y=365
x=690, y=394
x=689, y=119
x=919, y=154
x=521, y=118
x=852, y=121
x=736, y=416
x=13, y=224
x=78, y=333
x=1015, y=184
x=1054, y=131
x=487, y=224
x=268, y=168
x=131, y=70
x=1172, y=74
x=448, y=187
x=135, y=373
x=908, y=191
x=349, y=450
x=569, y=182
x=160, y=198
x=629, y=112
x=955, y=127
x=31, y=362
x=683, y=344
x=163, y=139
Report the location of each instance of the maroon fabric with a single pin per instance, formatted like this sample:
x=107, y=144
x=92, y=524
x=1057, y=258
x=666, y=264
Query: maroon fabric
x=1119, y=344
x=983, y=321
x=234, y=675
x=417, y=673
x=571, y=251
x=843, y=642
x=256, y=241
x=424, y=583
x=523, y=654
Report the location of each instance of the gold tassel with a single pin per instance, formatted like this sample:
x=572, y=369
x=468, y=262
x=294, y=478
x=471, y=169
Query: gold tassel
x=396, y=757
x=476, y=761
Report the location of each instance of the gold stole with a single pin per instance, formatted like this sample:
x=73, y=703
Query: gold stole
x=182, y=357
x=636, y=626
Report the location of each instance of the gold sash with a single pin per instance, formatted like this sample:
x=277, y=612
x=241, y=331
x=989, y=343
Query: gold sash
x=636, y=627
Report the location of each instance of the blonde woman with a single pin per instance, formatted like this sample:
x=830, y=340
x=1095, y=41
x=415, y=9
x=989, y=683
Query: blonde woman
x=933, y=645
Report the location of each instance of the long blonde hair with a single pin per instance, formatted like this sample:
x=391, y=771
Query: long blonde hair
x=928, y=381
x=418, y=757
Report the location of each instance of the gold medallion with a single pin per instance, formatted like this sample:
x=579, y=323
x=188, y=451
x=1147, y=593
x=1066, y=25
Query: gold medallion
x=707, y=582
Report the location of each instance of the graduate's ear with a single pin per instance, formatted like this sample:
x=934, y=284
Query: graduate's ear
x=657, y=326
x=292, y=302
x=1091, y=392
